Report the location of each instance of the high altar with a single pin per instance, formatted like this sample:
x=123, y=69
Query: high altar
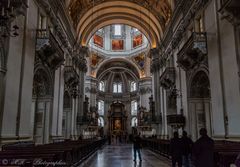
x=117, y=119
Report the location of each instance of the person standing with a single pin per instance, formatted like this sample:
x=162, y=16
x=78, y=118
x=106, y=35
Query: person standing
x=203, y=150
x=176, y=150
x=137, y=147
x=187, y=144
x=109, y=139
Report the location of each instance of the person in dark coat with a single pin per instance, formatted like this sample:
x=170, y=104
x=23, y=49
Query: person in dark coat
x=109, y=139
x=237, y=161
x=203, y=150
x=137, y=148
x=176, y=150
x=187, y=144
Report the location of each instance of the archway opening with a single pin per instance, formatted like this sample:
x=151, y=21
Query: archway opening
x=199, y=103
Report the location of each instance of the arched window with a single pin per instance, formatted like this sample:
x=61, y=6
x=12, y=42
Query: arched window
x=100, y=30
x=102, y=86
x=117, y=30
x=133, y=86
x=134, y=107
x=117, y=87
x=100, y=121
x=134, y=122
x=135, y=30
x=101, y=107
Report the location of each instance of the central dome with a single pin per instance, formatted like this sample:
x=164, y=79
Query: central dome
x=118, y=40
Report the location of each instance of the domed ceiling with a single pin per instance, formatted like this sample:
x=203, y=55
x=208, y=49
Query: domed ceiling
x=149, y=16
x=94, y=20
x=118, y=46
x=118, y=41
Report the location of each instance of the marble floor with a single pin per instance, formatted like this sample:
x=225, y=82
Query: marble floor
x=122, y=156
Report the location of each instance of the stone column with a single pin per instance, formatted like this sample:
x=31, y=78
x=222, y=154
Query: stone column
x=73, y=118
x=81, y=63
x=2, y=88
x=12, y=82
x=237, y=41
x=91, y=89
x=155, y=68
x=2, y=76
x=56, y=131
x=145, y=86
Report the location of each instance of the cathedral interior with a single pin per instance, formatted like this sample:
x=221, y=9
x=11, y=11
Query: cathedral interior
x=76, y=73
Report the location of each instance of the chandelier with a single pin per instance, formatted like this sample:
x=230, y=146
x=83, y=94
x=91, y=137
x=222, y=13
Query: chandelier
x=7, y=15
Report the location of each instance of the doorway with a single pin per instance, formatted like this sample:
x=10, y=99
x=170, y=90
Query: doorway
x=199, y=102
x=41, y=106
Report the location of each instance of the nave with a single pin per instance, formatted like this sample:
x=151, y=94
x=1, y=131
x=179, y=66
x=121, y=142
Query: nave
x=75, y=73
x=122, y=156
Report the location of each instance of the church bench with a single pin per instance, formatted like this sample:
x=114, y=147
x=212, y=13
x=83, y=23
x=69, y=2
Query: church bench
x=225, y=152
x=66, y=146
x=227, y=158
x=158, y=145
x=69, y=151
x=59, y=153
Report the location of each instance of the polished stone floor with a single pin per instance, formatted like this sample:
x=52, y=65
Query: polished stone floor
x=122, y=156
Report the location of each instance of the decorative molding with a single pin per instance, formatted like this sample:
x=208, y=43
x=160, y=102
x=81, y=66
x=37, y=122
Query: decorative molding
x=79, y=58
x=190, y=8
x=167, y=79
x=71, y=77
x=48, y=49
x=91, y=90
x=56, y=23
x=193, y=51
x=230, y=10
x=74, y=92
x=145, y=90
x=176, y=121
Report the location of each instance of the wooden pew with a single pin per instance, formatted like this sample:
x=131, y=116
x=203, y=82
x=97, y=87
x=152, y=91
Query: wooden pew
x=225, y=152
x=70, y=152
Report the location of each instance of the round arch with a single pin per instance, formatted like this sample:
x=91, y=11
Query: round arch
x=109, y=61
x=112, y=68
x=42, y=81
x=200, y=86
x=201, y=82
x=120, y=12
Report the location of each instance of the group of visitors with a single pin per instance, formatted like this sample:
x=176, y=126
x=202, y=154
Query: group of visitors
x=186, y=153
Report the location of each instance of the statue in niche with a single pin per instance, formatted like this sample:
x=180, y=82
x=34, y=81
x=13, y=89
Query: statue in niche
x=152, y=106
x=141, y=115
x=85, y=106
x=93, y=115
